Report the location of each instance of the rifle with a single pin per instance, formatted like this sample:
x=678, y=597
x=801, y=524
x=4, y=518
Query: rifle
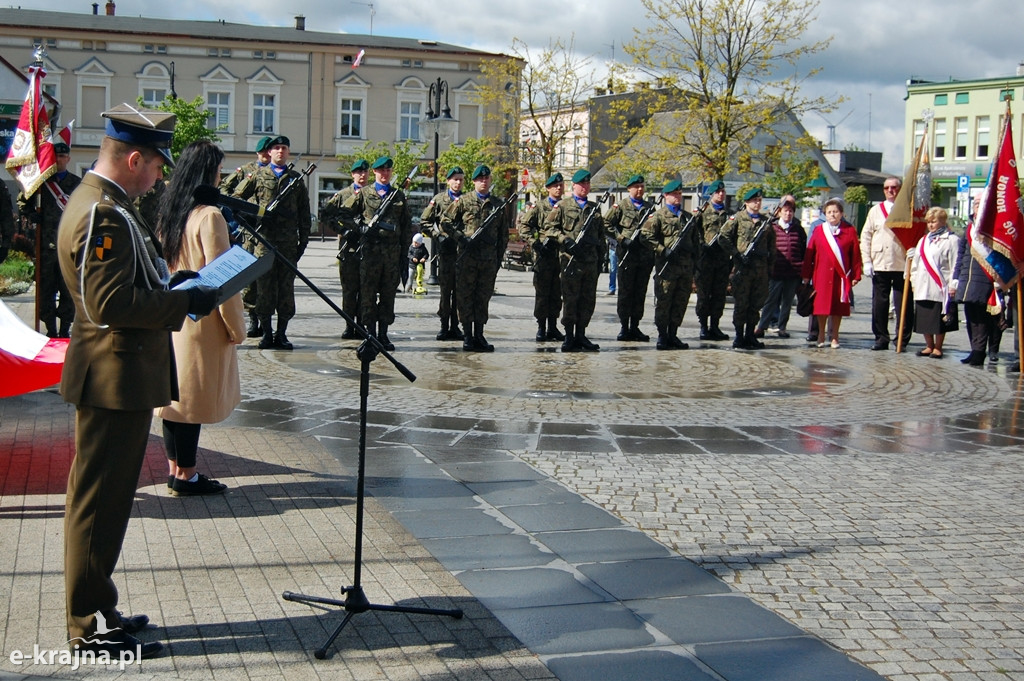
x=376, y=221
x=292, y=182
x=488, y=221
x=588, y=220
x=639, y=221
x=670, y=252
x=763, y=224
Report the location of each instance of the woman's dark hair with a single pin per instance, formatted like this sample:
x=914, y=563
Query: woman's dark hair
x=198, y=164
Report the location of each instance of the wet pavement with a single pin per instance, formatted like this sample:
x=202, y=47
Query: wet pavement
x=791, y=513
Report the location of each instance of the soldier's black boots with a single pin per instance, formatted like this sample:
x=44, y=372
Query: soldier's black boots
x=674, y=339
x=624, y=333
x=281, y=341
x=553, y=333
x=454, y=332
x=382, y=336
x=267, y=341
x=636, y=334
x=478, y=339
x=751, y=338
x=542, y=331
x=664, y=340
x=254, y=330
x=444, y=334
x=740, y=342
x=570, y=344
x=349, y=332
x=704, y=333
x=716, y=333
x=584, y=342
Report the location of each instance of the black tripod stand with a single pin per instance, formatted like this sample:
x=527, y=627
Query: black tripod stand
x=355, y=600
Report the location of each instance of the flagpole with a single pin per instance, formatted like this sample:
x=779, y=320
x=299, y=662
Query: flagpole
x=1020, y=328
x=903, y=303
x=38, y=64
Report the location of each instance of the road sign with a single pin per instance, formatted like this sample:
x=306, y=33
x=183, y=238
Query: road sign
x=963, y=184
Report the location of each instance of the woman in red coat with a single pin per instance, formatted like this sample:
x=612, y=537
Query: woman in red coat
x=832, y=264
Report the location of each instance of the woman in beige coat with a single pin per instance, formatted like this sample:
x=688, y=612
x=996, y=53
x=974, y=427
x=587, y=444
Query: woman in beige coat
x=204, y=350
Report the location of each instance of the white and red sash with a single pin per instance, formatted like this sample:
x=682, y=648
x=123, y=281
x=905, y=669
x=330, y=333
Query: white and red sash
x=922, y=252
x=57, y=193
x=844, y=291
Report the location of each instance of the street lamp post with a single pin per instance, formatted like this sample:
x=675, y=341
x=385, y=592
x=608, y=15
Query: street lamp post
x=439, y=121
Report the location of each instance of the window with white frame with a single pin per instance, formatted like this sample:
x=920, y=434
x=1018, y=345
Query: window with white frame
x=983, y=137
x=263, y=109
x=154, y=83
x=218, y=109
x=219, y=94
x=409, y=116
x=940, y=138
x=93, y=90
x=350, y=111
x=960, y=152
x=264, y=102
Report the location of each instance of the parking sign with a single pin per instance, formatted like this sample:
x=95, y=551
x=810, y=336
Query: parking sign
x=963, y=184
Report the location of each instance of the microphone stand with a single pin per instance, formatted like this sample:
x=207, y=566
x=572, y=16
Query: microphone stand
x=354, y=601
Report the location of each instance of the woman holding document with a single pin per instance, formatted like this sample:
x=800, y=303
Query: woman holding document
x=192, y=235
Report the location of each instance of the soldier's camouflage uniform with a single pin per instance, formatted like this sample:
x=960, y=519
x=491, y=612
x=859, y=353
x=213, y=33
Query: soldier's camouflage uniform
x=348, y=254
x=547, y=287
x=673, y=281
x=750, y=277
x=446, y=253
x=713, y=270
x=579, y=276
x=634, y=272
x=227, y=187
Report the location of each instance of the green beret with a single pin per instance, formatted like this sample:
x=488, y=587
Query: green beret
x=457, y=170
x=61, y=148
x=554, y=179
x=280, y=139
x=581, y=175
x=715, y=186
x=635, y=179
x=481, y=171
x=383, y=162
x=360, y=164
x=263, y=144
x=752, y=193
x=673, y=186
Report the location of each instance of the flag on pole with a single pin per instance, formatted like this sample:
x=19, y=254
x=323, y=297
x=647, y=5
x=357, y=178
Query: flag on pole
x=997, y=233
x=359, y=58
x=906, y=219
x=31, y=159
x=64, y=135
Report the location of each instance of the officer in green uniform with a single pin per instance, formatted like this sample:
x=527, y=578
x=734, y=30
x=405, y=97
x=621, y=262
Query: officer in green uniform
x=118, y=367
x=382, y=248
x=677, y=254
x=635, y=260
x=714, y=265
x=479, y=256
x=446, y=253
x=546, y=285
x=580, y=259
x=348, y=243
x=287, y=229
x=228, y=186
x=755, y=253
x=54, y=299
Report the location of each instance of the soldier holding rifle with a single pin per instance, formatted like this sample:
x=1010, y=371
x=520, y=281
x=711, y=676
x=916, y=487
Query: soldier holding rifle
x=636, y=262
x=755, y=252
x=714, y=265
x=348, y=243
x=546, y=285
x=447, y=252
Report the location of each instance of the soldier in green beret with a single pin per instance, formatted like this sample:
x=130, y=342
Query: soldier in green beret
x=287, y=228
x=382, y=249
x=621, y=224
x=580, y=261
x=755, y=252
x=546, y=285
x=446, y=252
x=479, y=255
x=348, y=243
x=676, y=256
x=228, y=186
x=715, y=263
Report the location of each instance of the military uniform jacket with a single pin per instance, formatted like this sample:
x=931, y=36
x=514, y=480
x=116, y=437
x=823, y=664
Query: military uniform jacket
x=662, y=230
x=466, y=216
x=715, y=228
x=620, y=222
x=288, y=226
x=230, y=183
x=348, y=239
x=359, y=209
x=120, y=354
x=531, y=228
x=746, y=229
x=565, y=222
x=430, y=220
x=51, y=212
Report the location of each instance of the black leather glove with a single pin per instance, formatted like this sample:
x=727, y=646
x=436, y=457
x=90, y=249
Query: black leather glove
x=201, y=300
x=180, y=276
x=4, y=250
x=571, y=247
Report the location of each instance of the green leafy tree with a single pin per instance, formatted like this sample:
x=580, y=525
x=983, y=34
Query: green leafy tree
x=467, y=156
x=791, y=175
x=728, y=69
x=405, y=155
x=192, y=122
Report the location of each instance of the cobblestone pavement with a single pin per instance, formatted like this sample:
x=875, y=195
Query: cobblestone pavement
x=871, y=499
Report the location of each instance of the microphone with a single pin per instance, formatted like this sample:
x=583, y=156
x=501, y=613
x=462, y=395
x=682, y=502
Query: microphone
x=209, y=195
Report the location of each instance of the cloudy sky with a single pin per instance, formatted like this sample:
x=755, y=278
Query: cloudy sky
x=877, y=44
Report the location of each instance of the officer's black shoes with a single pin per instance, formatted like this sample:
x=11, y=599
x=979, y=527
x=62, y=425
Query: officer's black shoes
x=382, y=336
x=201, y=487
x=975, y=359
x=468, y=344
x=636, y=334
x=119, y=642
x=349, y=333
x=879, y=345
x=133, y=623
x=623, y=334
x=479, y=342
x=678, y=344
x=254, y=330
x=584, y=342
x=553, y=333
x=751, y=338
x=716, y=334
x=267, y=342
x=664, y=340
x=542, y=332
x=739, y=343
x=570, y=344
x=704, y=333
x=281, y=342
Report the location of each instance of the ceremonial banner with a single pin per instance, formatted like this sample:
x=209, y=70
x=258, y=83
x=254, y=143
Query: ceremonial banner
x=28, y=360
x=31, y=159
x=906, y=219
x=997, y=233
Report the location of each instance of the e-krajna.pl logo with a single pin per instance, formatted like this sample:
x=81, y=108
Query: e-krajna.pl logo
x=76, y=657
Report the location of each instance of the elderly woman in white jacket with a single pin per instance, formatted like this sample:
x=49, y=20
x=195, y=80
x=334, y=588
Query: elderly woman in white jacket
x=933, y=278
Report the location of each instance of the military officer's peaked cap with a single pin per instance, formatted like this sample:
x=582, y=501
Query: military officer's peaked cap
x=715, y=186
x=753, y=193
x=263, y=144
x=61, y=148
x=581, y=175
x=481, y=171
x=556, y=178
x=635, y=179
x=457, y=170
x=383, y=162
x=673, y=186
x=280, y=139
x=360, y=164
x=142, y=128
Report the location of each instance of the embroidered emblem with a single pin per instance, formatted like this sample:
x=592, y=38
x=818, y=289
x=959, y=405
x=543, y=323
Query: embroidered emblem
x=103, y=245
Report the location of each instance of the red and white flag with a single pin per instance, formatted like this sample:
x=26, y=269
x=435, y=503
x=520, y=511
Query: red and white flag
x=359, y=58
x=906, y=219
x=31, y=159
x=65, y=134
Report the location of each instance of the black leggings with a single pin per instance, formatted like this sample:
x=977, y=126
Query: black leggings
x=181, y=441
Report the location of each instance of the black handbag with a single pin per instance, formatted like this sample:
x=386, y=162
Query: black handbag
x=950, y=320
x=805, y=299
